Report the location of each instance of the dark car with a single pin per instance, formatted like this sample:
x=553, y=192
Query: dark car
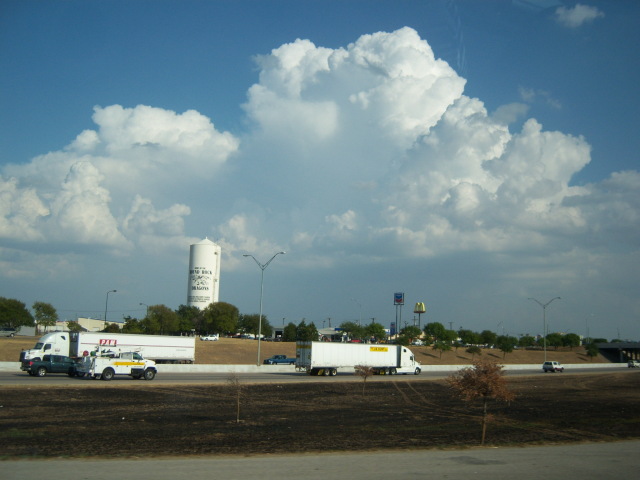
x=50, y=364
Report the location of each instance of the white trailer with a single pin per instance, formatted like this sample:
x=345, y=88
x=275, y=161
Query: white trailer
x=160, y=348
x=325, y=358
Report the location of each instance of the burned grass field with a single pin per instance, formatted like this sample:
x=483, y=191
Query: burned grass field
x=144, y=420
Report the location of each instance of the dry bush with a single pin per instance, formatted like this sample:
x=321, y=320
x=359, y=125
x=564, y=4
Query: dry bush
x=364, y=372
x=484, y=381
x=234, y=385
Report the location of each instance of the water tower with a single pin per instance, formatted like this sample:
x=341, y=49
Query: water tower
x=204, y=274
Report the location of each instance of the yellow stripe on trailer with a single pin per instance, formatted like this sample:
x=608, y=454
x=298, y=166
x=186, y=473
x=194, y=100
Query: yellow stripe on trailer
x=378, y=349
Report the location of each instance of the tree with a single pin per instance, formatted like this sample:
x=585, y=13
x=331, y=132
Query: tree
x=434, y=331
x=132, y=325
x=306, y=333
x=468, y=337
x=450, y=336
x=506, y=344
x=474, y=350
x=14, y=314
x=592, y=350
x=111, y=328
x=150, y=325
x=442, y=346
x=250, y=323
x=290, y=332
x=189, y=318
x=164, y=320
x=571, y=340
x=74, y=326
x=554, y=340
x=45, y=314
x=376, y=331
x=220, y=317
x=484, y=381
x=526, y=341
x=411, y=332
x=353, y=330
x=487, y=337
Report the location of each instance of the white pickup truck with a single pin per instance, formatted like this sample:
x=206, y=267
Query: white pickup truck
x=107, y=366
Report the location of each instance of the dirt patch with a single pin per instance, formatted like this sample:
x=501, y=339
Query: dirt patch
x=232, y=351
x=157, y=420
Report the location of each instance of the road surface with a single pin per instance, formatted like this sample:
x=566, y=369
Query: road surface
x=603, y=461
x=167, y=378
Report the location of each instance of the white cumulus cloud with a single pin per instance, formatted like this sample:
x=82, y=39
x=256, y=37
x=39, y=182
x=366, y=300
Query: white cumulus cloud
x=578, y=15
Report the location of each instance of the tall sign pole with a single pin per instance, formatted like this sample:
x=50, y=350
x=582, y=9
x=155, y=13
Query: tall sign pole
x=398, y=301
x=419, y=309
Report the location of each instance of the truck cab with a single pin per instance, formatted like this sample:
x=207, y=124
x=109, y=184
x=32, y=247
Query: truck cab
x=54, y=343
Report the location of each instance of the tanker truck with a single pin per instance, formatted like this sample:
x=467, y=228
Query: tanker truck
x=325, y=358
x=160, y=348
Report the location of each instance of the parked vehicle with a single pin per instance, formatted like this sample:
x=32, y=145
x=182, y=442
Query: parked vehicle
x=50, y=364
x=325, y=358
x=106, y=367
x=280, y=360
x=633, y=364
x=8, y=332
x=160, y=348
x=210, y=338
x=552, y=367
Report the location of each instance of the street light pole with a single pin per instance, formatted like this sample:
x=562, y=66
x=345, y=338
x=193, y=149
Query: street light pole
x=544, y=322
x=262, y=268
x=147, y=314
x=106, y=307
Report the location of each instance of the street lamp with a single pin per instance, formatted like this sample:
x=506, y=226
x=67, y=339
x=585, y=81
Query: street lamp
x=147, y=314
x=544, y=322
x=106, y=306
x=262, y=268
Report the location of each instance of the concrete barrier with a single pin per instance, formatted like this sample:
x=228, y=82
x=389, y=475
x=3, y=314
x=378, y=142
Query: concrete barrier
x=194, y=368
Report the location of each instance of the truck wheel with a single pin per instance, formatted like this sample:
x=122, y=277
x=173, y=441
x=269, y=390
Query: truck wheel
x=107, y=374
x=333, y=372
x=149, y=374
x=417, y=371
x=393, y=371
x=41, y=372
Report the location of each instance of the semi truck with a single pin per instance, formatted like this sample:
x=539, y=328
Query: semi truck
x=160, y=348
x=325, y=358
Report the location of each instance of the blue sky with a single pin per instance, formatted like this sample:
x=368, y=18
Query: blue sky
x=469, y=154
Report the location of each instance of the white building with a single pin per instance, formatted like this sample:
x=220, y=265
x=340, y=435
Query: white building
x=204, y=274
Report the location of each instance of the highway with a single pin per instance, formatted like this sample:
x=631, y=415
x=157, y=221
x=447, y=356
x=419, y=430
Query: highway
x=19, y=378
